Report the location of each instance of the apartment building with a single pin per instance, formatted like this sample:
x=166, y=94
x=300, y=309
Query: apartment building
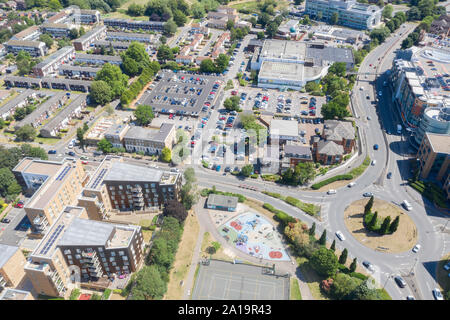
x=30, y=33
x=62, y=119
x=8, y=109
x=116, y=45
x=12, y=262
x=66, y=84
x=134, y=24
x=54, y=184
x=115, y=134
x=51, y=64
x=130, y=36
x=87, y=16
x=219, y=47
x=78, y=72
x=149, y=140
x=218, y=19
x=86, y=40
x=133, y=187
x=34, y=48
x=78, y=247
x=22, y=82
x=44, y=111
x=58, y=17
x=294, y=153
x=434, y=157
x=56, y=30
x=97, y=59
x=350, y=12
x=15, y=295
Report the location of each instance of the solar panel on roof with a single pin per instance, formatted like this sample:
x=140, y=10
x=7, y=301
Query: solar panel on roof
x=52, y=239
x=99, y=178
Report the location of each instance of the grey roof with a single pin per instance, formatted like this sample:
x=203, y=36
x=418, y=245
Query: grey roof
x=15, y=101
x=55, y=56
x=84, y=232
x=55, y=26
x=86, y=56
x=338, y=130
x=55, y=121
x=91, y=33
x=222, y=201
x=6, y=252
x=24, y=79
x=329, y=148
x=140, y=133
x=330, y=54
x=127, y=172
x=297, y=150
x=25, y=43
x=44, y=107
x=107, y=43
x=116, y=129
x=129, y=34
x=79, y=68
x=67, y=81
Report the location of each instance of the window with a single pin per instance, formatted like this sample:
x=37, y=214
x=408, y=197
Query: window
x=107, y=269
x=113, y=264
x=100, y=249
x=126, y=263
x=69, y=256
x=118, y=268
x=112, y=259
x=121, y=253
x=103, y=259
x=113, y=254
x=67, y=251
x=125, y=258
x=120, y=187
x=78, y=250
x=77, y=256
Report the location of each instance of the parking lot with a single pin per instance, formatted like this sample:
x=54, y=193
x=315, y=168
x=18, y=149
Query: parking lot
x=182, y=93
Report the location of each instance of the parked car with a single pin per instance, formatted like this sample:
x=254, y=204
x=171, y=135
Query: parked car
x=437, y=294
x=375, y=147
x=5, y=220
x=367, y=194
x=19, y=204
x=410, y=298
x=416, y=248
x=389, y=175
x=331, y=191
x=51, y=151
x=400, y=282
x=351, y=184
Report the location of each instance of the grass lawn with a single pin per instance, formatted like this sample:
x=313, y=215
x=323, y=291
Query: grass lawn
x=50, y=141
x=219, y=255
x=312, y=278
x=308, y=208
x=183, y=258
x=122, y=15
x=147, y=234
x=251, y=6
x=295, y=290
x=126, y=4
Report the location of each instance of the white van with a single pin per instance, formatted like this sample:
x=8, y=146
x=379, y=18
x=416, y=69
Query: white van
x=406, y=205
x=374, y=162
x=331, y=191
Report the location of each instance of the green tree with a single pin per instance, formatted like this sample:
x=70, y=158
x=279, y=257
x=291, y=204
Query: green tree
x=323, y=238
x=363, y=292
x=343, y=285
x=368, y=205
x=189, y=175
x=247, y=170
x=312, y=230
x=271, y=29
x=144, y=114
x=394, y=225
x=373, y=222
x=73, y=33
x=80, y=137
x=54, y=4
x=387, y=11
x=104, y=145
x=100, y=92
x=343, y=256
x=260, y=35
x=385, y=225
x=6, y=180
x=114, y=77
x=164, y=53
x=333, y=246
x=312, y=86
x=198, y=10
x=170, y=27
x=26, y=133
x=353, y=265
x=334, y=18
x=46, y=38
x=149, y=285
x=230, y=24
x=20, y=113
x=232, y=103
x=179, y=17
x=207, y=66
x=338, y=68
x=222, y=62
x=166, y=155
x=325, y=262
x=130, y=66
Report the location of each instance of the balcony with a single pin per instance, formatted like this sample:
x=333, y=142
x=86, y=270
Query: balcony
x=3, y=282
x=89, y=255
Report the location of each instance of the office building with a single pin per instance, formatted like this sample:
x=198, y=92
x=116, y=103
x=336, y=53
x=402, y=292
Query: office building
x=281, y=131
x=294, y=153
x=149, y=140
x=350, y=13
x=34, y=48
x=86, y=40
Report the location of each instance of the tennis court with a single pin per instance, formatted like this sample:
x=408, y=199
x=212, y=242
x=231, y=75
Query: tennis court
x=222, y=280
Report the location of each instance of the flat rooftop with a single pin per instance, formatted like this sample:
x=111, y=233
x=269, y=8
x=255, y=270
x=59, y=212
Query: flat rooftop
x=14, y=294
x=284, y=127
x=39, y=167
x=96, y=180
x=280, y=49
x=439, y=142
x=6, y=252
x=282, y=71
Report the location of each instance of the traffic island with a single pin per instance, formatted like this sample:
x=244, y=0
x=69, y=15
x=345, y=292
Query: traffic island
x=403, y=239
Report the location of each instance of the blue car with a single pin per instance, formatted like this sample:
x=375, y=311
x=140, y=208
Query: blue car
x=51, y=151
x=375, y=147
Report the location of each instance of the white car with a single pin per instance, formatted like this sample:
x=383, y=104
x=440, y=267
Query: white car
x=361, y=88
x=340, y=235
x=374, y=162
x=331, y=191
x=416, y=248
x=437, y=294
x=351, y=184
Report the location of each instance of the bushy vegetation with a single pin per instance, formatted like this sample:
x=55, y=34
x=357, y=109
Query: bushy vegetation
x=431, y=191
x=308, y=208
x=205, y=192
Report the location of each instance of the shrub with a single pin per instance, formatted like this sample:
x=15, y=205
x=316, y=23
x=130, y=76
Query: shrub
x=74, y=294
x=319, y=185
x=205, y=192
x=106, y=294
x=358, y=276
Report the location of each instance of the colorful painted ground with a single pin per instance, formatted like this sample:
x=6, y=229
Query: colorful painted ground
x=254, y=235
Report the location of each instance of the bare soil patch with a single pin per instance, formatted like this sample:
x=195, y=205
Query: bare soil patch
x=402, y=240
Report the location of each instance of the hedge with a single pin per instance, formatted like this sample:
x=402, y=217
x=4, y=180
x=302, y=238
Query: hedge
x=330, y=180
x=308, y=208
x=205, y=192
x=106, y=294
x=280, y=216
x=358, y=275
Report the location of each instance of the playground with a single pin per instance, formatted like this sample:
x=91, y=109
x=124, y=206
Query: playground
x=252, y=234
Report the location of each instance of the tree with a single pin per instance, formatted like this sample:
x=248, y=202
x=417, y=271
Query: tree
x=149, y=285
x=222, y=62
x=80, y=137
x=385, y=225
x=325, y=262
x=343, y=256
x=166, y=155
x=230, y=24
x=362, y=292
x=54, y=4
x=272, y=29
x=232, y=103
x=264, y=19
x=387, y=11
x=179, y=17
x=334, y=18
x=353, y=265
x=312, y=86
x=170, y=27
x=189, y=175
x=104, y=145
x=323, y=238
x=368, y=205
x=207, y=66
x=144, y=115
x=73, y=33
x=333, y=246
x=24, y=62
x=247, y=170
x=174, y=208
x=373, y=221
x=394, y=225
x=130, y=66
x=198, y=10
x=47, y=39
x=312, y=230
x=6, y=180
x=100, y=92
x=260, y=35
x=338, y=68
x=20, y=113
x=164, y=53
x=343, y=285
x=26, y=133
x=81, y=32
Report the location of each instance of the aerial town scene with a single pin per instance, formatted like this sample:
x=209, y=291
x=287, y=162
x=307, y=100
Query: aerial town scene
x=225, y=150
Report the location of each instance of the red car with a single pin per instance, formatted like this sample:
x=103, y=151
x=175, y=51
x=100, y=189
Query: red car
x=207, y=104
x=84, y=162
x=171, y=116
x=234, y=92
x=19, y=204
x=229, y=125
x=370, y=65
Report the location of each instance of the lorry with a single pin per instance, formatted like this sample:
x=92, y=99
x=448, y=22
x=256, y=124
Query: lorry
x=399, y=128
